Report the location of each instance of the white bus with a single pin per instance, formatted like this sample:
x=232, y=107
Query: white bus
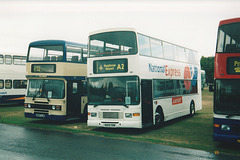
x=13, y=83
x=136, y=81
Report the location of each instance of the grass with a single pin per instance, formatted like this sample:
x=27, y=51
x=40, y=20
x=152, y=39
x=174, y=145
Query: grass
x=189, y=132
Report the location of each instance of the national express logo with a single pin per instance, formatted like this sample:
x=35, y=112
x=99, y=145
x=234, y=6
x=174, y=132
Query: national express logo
x=190, y=73
x=172, y=72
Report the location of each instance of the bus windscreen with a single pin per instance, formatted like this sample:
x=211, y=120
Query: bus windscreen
x=113, y=43
x=227, y=97
x=228, y=41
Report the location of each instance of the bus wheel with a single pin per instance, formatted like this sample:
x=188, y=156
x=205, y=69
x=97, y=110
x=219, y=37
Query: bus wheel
x=159, y=118
x=192, y=108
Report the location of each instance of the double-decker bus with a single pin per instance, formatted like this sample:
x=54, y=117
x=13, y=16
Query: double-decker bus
x=227, y=82
x=56, y=74
x=136, y=81
x=13, y=82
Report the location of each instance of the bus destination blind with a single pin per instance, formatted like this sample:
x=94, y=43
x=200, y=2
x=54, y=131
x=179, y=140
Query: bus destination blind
x=233, y=65
x=110, y=66
x=43, y=68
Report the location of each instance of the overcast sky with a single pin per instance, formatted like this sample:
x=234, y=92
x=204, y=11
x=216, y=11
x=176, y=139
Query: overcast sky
x=190, y=23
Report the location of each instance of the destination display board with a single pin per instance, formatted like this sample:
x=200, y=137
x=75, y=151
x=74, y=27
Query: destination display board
x=233, y=65
x=110, y=66
x=43, y=68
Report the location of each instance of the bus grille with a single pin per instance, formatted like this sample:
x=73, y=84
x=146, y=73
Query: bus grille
x=39, y=106
x=37, y=111
x=111, y=115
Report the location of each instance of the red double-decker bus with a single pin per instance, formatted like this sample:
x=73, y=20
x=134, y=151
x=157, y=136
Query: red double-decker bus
x=227, y=82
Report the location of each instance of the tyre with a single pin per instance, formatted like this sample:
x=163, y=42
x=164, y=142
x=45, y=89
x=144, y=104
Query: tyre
x=159, y=118
x=192, y=108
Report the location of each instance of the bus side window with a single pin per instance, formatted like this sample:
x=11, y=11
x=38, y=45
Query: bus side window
x=158, y=88
x=8, y=59
x=1, y=84
x=181, y=54
x=75, y=87
x=19, y=60
x=8, y=84
x=169, y=88
x=156, y=48
x=177, y=86
x=168, y=51
x=144, y=45
x=19, y=83
x=1, y=59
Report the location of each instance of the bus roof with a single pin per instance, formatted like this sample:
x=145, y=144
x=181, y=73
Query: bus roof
x=227, y=21
x=55, y=42
x=112, y=30
x=133, y=30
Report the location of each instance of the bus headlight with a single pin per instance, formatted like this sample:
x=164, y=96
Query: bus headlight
x=29, y=105
x=93, y=114
x=128, y=115
x=53, y=107
x=225, y=127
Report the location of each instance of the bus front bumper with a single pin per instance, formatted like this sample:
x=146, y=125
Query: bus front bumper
x=226, y=138
x=115, y=124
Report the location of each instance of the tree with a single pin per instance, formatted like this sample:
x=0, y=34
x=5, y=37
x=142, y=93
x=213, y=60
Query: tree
x=207, y=64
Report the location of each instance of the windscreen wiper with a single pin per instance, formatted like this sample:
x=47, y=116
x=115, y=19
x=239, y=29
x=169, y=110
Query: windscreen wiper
x=40, y=91
x=36, y=95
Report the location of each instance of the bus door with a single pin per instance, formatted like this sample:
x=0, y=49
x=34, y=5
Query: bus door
x=73, y=98
x=147, y=106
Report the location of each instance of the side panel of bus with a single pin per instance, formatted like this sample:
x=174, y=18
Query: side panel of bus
x=76, y=98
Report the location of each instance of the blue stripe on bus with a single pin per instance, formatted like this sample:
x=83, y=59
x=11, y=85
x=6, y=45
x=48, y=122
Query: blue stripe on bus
x=46, y=117
x=12, y=98
x=65, y=77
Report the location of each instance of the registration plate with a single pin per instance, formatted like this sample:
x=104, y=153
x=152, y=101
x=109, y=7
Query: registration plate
x=40, y=115
x=109, y=125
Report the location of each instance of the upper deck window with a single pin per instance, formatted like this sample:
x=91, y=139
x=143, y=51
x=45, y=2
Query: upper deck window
x=1, y=59
x=144, y=45
x=46, y=53
x=112, y=43
x=19, y=60
x=168, y=50
x=76, y=54
x=156, y=48
x=8, y=59
x=229, y=38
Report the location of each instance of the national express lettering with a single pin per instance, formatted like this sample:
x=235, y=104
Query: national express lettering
x=172, y=72
x=165, y=69
x=155, y=68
